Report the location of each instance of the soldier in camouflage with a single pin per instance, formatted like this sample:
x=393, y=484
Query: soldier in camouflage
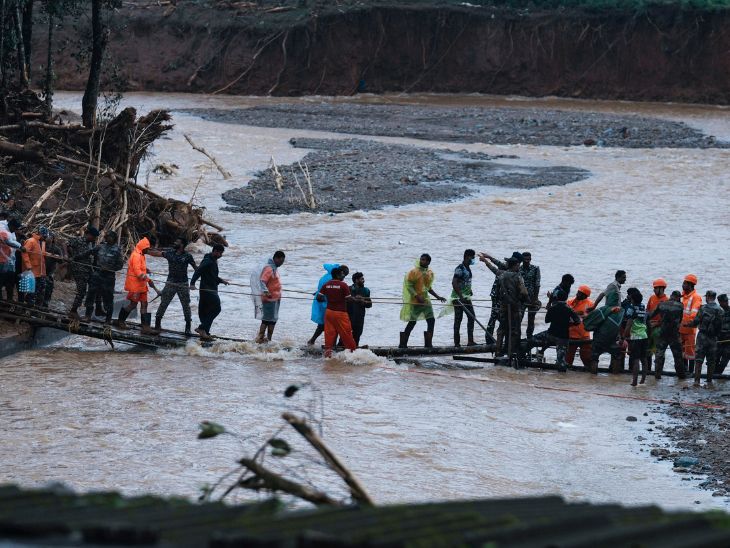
x=513, y=295
x=671, y=312
x=81, y=268
x=107, y=261
x=531, y=276
x=709, y=321
x=723, y=343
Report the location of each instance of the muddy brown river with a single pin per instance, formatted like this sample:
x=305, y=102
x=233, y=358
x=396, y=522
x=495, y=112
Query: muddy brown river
x=96, y=419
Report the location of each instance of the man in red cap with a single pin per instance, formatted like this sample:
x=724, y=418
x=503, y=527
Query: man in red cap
x=580, y=337
x=660, y=286
x=691, y=303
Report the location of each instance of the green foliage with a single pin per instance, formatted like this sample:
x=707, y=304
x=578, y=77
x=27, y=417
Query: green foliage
x=210, y=430
x=280, y=447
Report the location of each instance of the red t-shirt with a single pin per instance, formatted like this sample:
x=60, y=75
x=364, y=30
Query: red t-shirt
x=336, y=292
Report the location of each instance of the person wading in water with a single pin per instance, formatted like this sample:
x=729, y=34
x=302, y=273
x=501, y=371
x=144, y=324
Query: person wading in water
x=209, y=303
x=417, y=286
x=177, y=282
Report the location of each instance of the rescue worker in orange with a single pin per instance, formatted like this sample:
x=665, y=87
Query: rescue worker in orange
x=660, y=286
x=136, y=284
x=336, y=320
x=580, y=337
x=691, y=302
x=34, y=259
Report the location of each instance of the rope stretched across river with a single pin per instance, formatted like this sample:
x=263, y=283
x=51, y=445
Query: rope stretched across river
x=376, y=300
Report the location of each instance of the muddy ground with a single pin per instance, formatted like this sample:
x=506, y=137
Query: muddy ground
x=355, y=174
x=499, y=126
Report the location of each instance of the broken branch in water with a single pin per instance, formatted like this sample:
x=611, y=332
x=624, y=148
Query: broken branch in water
x=356, y=489
x=226, y=174
x=266, y=479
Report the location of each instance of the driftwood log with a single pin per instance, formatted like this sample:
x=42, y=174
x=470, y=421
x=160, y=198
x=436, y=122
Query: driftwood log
x=31, y=151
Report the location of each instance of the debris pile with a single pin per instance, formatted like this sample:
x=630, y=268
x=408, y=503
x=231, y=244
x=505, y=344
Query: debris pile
x=65, y=176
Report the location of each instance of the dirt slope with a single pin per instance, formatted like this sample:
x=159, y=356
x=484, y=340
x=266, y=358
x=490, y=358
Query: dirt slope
x=665, y=54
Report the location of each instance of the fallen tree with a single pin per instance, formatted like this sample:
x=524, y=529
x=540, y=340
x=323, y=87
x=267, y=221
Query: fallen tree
x=98, y=169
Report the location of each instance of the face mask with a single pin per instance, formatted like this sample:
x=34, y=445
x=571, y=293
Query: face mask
x=473, y=262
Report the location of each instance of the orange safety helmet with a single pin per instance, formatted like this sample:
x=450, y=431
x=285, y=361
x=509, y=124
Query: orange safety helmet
x=585, y=290
x=659, y=282
x=691, y=278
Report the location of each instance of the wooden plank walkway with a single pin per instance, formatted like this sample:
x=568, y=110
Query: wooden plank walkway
x=37, y=317
x=554, y=367
x=57, y=517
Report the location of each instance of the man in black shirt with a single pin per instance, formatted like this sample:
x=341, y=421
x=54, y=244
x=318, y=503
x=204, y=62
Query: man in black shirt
x=560, y=317
x=209, y=303
x=177, y=283
x=561, y=291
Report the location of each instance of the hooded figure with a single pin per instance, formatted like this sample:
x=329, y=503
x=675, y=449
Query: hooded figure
x=319, y=307
x=418, y=281
x=136, y=284
x=137, y=278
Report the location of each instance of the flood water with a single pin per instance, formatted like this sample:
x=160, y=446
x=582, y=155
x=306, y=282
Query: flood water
x=128, y=421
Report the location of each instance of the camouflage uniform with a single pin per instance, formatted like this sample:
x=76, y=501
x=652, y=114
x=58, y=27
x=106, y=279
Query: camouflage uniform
x=723, y=348
x=709, y=320
x=494, y=316
x=177, y=283
x=109, y=260
x=513, y=294
x=668, y=337
x=80, y=267
x=531, y=277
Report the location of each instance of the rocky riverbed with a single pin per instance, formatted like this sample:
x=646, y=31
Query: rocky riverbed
x=698, y=439
x=492, y=125
x=354, y=174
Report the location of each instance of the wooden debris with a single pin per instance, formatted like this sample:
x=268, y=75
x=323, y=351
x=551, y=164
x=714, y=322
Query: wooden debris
x=51, y=189
x=356, y=489
x=226, y=174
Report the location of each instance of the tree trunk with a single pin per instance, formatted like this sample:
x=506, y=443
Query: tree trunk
x=3, y=72
x=2, y=45
x=18, y=27
x=98, y=43
x=49, y=67
x=27, y=33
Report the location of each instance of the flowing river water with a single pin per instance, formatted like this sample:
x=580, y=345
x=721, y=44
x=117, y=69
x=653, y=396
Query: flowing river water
x=96, y=419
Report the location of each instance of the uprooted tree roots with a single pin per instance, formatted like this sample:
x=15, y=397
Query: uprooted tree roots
x=98, y=170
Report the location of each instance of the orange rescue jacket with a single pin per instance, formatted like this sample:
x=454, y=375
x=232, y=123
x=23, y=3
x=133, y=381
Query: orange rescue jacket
x=691, y=302
x=651, y=305
x=137, y=278
x=33, y=256
x=579, y=332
